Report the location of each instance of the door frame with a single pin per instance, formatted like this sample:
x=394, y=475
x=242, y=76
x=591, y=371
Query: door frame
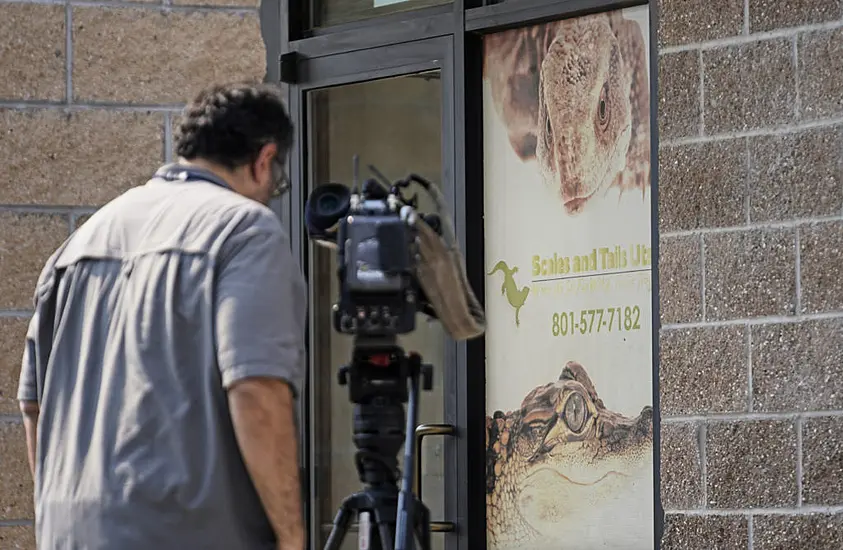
x=351, y=67
x=464, y=23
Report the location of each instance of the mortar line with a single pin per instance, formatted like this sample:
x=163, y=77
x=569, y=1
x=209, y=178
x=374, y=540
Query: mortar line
x=754, y=321
x=15, y=314
x=738, y=39
x=744, y=416
x=782, y=129
x=749, y=382
x=181, y=8
x=16, y=522
x=788, y=224
x=55, y=210
x=11, y=418
x=74, y=217
x=702, y=95
x=799, y=461
x=750, y=531
x=157, y=5
x=89, y=106
x=68, y=55
x=702, y=434
x=797, y=98
x=798, y=271
x=168, y=138
x=805, y=510
x=702, y=275
x=746, y=184
x=745, y=29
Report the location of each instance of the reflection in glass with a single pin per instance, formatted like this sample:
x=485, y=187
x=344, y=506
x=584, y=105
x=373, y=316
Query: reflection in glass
x=336, y=12
x=396, y=125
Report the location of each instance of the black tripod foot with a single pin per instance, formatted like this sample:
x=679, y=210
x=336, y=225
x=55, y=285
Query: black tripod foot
x=341, y=522
x=381, y=510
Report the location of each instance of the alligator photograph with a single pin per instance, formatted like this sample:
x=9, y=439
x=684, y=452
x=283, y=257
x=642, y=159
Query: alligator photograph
x=564, y=471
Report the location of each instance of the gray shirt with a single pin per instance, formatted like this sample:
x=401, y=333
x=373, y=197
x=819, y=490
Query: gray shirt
x=143, y=318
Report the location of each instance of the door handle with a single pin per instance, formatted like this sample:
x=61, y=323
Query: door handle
x=422, y=431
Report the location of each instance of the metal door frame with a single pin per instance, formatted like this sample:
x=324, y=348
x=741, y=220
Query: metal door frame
x=325, y=71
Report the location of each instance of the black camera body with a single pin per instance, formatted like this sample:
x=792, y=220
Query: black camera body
x=374, y=233
x=377, y=252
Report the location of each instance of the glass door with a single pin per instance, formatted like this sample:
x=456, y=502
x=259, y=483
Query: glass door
x=392, y=109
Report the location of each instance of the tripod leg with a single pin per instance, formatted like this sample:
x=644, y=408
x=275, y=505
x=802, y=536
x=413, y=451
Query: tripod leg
x=422, y=524
x=364, y=533
x=406, y=513
x=341, y=521
x=384, y=521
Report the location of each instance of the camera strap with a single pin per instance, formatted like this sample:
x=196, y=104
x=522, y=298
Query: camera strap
x=178, y=173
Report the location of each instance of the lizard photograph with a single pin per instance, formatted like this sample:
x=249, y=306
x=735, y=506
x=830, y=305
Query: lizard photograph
x=573, y=95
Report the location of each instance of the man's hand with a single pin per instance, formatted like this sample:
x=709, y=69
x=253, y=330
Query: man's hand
x=262, y=413
x=30, y=411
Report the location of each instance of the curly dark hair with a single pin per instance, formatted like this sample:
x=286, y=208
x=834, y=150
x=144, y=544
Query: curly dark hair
x=228, y=124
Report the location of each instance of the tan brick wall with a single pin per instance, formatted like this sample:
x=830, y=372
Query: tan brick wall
x=87, y=101
x=751, y=215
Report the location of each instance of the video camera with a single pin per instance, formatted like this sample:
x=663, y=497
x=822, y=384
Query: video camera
x=380, y=293
x=392, y=263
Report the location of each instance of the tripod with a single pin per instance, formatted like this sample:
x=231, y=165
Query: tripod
x=377, y=379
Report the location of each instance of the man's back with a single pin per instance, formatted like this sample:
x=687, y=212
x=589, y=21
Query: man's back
x=139, y=328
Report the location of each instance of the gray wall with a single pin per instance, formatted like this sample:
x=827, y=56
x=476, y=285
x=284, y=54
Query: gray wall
x=751, y=218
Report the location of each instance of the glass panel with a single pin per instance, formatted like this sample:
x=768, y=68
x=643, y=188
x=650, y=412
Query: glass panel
x=396, y=125
x=336, y=12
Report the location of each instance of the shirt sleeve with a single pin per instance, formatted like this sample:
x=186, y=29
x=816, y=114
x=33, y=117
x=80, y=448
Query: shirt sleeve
x=38, y=342
x=260, y=307
x=27, y=385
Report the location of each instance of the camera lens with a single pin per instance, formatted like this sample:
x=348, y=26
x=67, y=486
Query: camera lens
x=328, y=203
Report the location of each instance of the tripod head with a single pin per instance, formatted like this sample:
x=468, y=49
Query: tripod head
x=377, y=378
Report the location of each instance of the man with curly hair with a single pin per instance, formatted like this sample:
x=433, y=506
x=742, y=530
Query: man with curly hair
x=166, y=351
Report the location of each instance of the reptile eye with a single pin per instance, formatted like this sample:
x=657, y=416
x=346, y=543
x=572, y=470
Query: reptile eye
x=602, y=104
x=574, y=413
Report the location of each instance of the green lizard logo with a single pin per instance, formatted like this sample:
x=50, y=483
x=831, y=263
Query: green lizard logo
x=515, y=297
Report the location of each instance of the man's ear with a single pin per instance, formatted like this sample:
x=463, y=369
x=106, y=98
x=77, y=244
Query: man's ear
x=267, y=155
x=262, y=164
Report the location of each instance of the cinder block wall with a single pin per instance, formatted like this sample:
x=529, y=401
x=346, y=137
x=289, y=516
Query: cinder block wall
x=88, y=94
x=751, y=217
